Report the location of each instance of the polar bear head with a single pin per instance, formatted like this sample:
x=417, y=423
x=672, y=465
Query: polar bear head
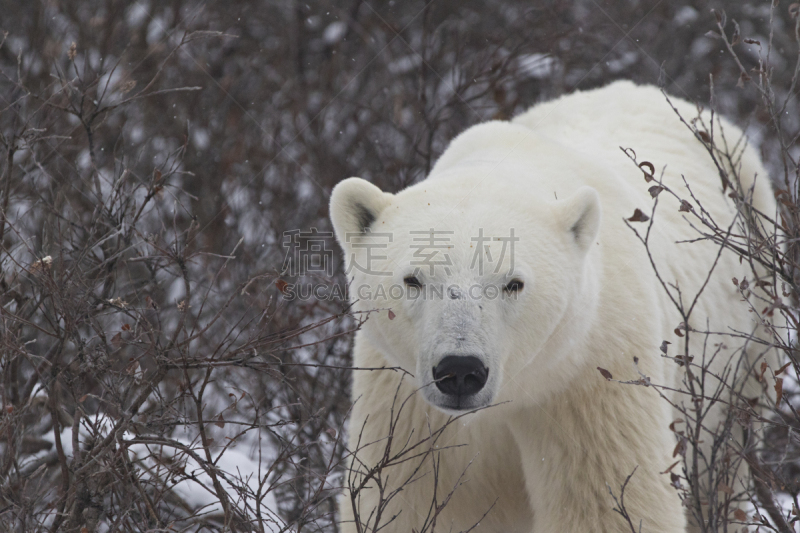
x=475, y=289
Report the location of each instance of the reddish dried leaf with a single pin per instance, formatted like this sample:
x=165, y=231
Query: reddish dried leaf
x=743, y=78
x=705, y=136
x=670, y=467
x=126, y=327
x=655, y=190
x=83, y=398
x=116, y=340
x=740, y=515
x=281, y=285
x=678, y=332
x=784, y=367
x=778, y=391
x=391, y=315
x=649, y=172
x=220, y=423
x=664, y=345
x=685, y=206
x=751, y=41
x=605, y=373
x=638, y=216
x=680, y=448
x=675, y=480
x=735, y=281
x=722, y=487
x=672, y=425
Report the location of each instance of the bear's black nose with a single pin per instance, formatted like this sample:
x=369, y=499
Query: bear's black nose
x=460, y=375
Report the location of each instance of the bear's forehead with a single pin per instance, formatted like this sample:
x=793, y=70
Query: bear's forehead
x=452, y=237
x=461, y=217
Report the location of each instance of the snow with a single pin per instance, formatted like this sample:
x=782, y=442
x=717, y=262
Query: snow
x=334, y=32
x=537, y=66
x=238, y=471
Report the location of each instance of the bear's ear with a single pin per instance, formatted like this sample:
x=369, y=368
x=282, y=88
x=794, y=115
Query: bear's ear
x=355, y=205
x=581, y=216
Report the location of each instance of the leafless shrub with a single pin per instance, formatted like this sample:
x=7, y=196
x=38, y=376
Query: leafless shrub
x=756, y=429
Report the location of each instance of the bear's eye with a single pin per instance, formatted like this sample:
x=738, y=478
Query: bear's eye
x=412, y=281
x=514, y=285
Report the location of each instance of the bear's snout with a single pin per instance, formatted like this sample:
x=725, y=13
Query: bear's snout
x=460, y=375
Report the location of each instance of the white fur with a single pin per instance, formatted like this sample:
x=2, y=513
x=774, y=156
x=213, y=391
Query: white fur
x=562, y=434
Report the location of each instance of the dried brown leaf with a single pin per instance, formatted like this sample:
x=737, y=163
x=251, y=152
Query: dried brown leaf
x=605, y=373
x=670, y=467
x=722, y=487
x=649, y=170
x=680, y=448
x=781, y=369
x=638, y=216
x=128, y=86
x=743, y=78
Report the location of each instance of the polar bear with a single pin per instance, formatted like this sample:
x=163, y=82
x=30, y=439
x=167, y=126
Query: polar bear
x=496, y=287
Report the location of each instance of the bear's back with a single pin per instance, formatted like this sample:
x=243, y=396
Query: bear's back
x=598, y=122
